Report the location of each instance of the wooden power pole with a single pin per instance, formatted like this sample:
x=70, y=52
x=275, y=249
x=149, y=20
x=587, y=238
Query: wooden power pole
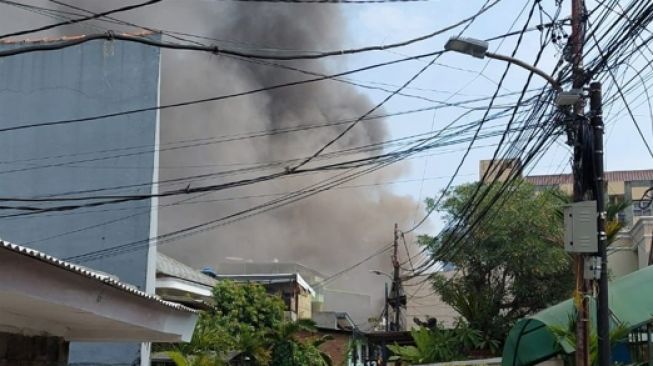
x=578, y=74
x=396, y=281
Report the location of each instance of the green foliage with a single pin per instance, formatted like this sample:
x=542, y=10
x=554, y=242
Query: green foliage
x=613, y=225
x=511, y=265
x=288, y=351
x=181, y=359
x=247, y=320
x=439, y=345
x=567, y=336
x=246, y=306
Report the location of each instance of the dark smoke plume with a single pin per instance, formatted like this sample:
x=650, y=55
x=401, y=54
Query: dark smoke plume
x=327, y=232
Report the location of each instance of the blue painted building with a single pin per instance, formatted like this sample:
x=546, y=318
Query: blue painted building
x=94, y=157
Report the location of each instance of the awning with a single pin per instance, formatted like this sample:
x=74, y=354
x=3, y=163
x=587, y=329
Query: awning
x=530, y=341
x=43, y=295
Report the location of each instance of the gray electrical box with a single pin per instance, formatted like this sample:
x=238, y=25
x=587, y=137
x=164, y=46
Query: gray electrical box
x=581, y=232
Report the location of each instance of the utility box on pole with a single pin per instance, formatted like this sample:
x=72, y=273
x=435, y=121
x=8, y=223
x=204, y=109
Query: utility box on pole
x=581, y=227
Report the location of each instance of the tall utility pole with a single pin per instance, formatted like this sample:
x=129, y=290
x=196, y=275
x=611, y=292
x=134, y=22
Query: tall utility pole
x=576, y=54
x=603, y=309
x=384, y=348
x=397, y=297
x=588, y=179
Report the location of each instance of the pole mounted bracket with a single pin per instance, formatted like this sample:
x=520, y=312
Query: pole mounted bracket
x=592, y=270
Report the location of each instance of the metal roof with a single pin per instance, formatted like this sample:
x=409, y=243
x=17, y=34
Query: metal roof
x=142, y=33
x=270, y=278
x=311, y=276
x=94, y=275
x=173, y=268
x=614, y=176
x=530, y=341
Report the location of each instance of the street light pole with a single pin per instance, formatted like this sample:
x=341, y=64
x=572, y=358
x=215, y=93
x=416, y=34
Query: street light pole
x=479, y=49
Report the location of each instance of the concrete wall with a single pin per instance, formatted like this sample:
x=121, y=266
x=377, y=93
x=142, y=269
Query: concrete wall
x=504, y=166
x=304, y=306
x=424, y=303
x=95, y=78
x=642, y=235
x=622, y=261
x=356, y=305
x=18, y=350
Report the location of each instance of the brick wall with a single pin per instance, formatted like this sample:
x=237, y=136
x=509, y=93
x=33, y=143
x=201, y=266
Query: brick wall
x=18, y=350
x=336, y=348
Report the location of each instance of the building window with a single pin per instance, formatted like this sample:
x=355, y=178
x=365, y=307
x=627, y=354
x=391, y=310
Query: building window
x=638, y=211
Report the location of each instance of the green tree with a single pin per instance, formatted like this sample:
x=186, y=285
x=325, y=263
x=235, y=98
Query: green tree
x=247, y=321
x=288, y=350
x=511, y=265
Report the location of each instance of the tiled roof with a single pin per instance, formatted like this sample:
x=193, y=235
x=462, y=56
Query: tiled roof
x=97, y=276
x=173, y=268
x=614, y=176
x=549, y=180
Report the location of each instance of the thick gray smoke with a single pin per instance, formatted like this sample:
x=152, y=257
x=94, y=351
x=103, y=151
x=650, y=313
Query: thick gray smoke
x=327, y=232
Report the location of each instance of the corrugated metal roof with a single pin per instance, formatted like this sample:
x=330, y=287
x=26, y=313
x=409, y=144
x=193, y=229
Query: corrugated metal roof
x=614, y=176
x=97, y=276
x=530, y=341
x=173, y=268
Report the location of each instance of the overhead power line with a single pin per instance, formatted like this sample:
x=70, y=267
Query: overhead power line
x=211, y=99
x=218, y=50
x=330, y=1
x=252, y=211
x=422, y=145
x=380, y=104
x=73, y=21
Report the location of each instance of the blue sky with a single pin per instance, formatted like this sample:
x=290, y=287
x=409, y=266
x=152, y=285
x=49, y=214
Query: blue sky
x=392, y=22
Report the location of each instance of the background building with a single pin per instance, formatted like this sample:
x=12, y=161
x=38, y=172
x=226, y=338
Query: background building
x=631, y=250
x=88, y=157
x=325, y=298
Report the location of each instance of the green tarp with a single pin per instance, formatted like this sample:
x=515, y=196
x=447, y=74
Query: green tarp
x=530, y=342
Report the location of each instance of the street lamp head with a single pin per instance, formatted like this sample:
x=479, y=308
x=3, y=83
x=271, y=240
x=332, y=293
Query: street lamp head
x=468, y=46
x=380, y=273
